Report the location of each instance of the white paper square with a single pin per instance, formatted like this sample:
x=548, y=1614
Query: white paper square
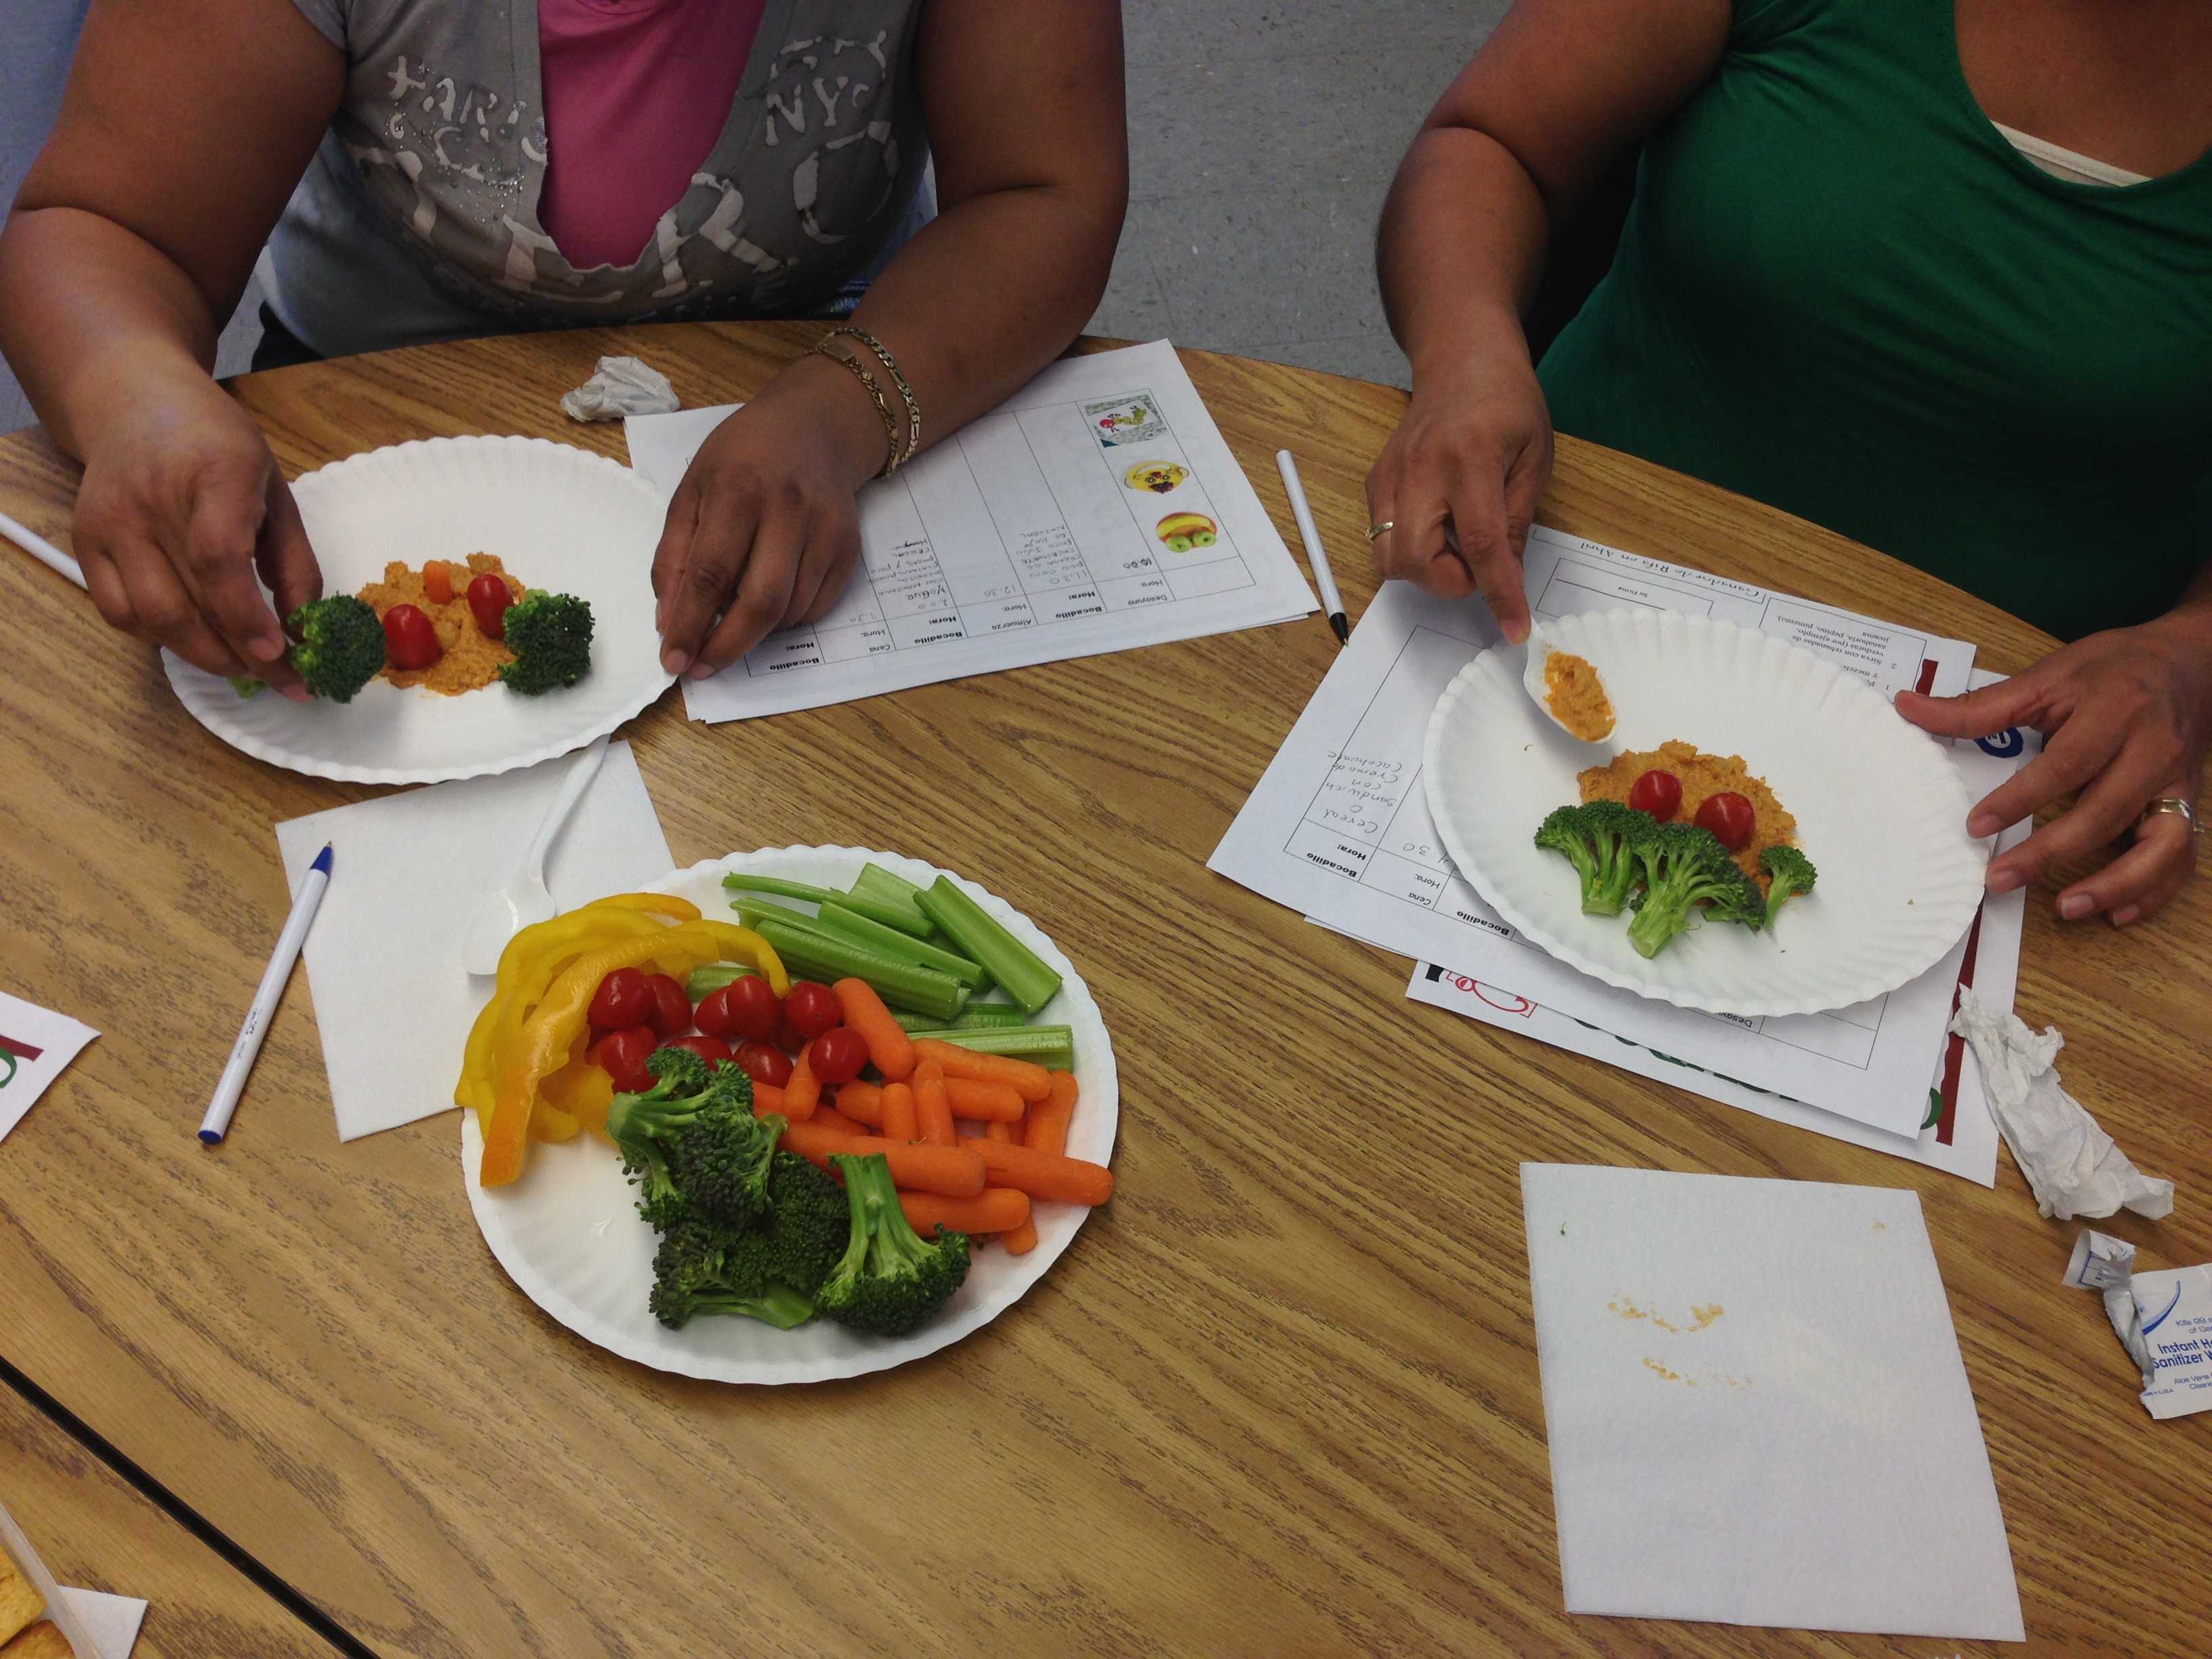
x=36, y=1046
x=1756, y=1408
x=384, y=959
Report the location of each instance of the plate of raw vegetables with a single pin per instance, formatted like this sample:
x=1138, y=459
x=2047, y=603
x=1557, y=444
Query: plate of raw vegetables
x=792, y=1115
x=562, y=522
x=1871, y=811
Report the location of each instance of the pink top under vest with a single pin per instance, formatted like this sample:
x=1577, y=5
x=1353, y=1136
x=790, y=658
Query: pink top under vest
x=637, y=94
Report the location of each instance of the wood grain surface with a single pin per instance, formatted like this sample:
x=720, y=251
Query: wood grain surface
x=94, y=1530
x=1280, y=1397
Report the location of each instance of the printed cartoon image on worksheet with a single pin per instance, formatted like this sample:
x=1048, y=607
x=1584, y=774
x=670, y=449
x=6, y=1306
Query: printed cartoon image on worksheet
x=1097, y=509
x=1339, y=825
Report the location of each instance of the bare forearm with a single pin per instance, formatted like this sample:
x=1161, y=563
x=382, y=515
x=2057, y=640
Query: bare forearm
x=987, y=294
x=90, y=316
x=1462, y=246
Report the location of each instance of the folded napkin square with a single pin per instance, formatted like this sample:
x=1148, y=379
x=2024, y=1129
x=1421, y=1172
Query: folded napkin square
x=383, y=960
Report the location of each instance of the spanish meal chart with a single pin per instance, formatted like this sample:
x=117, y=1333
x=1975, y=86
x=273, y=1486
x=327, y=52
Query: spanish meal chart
x=1096, y=510
x=1339, y=825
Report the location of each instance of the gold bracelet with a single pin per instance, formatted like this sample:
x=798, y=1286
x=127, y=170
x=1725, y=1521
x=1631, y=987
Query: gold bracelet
x=883, y=403
x=891, y=365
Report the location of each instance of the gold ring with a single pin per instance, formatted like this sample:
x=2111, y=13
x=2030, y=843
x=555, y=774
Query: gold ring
x=2180, y=809
x=1375, y=530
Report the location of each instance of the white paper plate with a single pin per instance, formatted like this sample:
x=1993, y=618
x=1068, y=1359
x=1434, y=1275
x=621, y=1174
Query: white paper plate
x=569, y=1235
x=1880, y=807
x=559, y=518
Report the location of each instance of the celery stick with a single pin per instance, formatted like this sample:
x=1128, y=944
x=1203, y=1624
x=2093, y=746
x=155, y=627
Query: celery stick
x=1017, y=968
x=837, y=918
x=904, y=917
x=1022, y=1042
x=911, y=1022
x=752, y=916
x=823, y=957
x=990, y=1017
x=705, y=982
x=878, y=884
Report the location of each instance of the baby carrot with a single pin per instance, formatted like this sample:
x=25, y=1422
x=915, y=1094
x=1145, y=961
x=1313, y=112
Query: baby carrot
x=1030, y=1082
x=996, y=1130
x=831, y=1118
x=932, y=1112
x=950, y=1171
x=1044, y=1174
x=994, y=1210
x=804, y=1092
x=889, y=1047
x=768, y=1101
x=861, y=1102
x=899, y=1122
x=972, y=1099
x=1048, y=1127
x=1046, y=1132
x=437, y=581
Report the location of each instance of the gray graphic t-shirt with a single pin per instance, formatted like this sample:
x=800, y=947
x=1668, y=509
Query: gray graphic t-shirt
x=417, y=219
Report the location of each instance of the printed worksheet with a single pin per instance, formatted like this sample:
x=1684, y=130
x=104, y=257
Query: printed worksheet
x=1956, y=1132
x=1339, y=826
x=1097, y=509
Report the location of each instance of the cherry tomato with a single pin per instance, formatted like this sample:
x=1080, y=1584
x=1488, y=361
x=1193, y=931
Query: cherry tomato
x=622, y=1055
x=671, y=1013
x=489, y=598
x=764, y=1063
x=1730, y=819
x=622, y=999
x=745, y=1008
x=709, y=1049
x=410, y=641
x=811, y=1009
x=1657, y=793
x=838, y=1055
x=438, y=581
x=786, y=1040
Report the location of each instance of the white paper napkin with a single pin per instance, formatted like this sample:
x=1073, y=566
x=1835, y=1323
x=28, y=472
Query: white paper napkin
x=36, y=1045
x=1756, y=1408
x=384, y=960
x=111, y=1621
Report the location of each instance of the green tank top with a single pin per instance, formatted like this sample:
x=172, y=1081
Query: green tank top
x=1841, y=290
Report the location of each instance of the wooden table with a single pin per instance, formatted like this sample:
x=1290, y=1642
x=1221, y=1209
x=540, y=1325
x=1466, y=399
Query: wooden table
x=1281, y=1398
x=93, y=1530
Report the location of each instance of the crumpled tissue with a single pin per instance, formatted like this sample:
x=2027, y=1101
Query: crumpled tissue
x=2163, y=1319
x=620, y=386
x=2071, y=1166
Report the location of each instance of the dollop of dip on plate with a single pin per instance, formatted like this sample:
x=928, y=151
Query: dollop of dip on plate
x=1576, y=696
x=1701, y=776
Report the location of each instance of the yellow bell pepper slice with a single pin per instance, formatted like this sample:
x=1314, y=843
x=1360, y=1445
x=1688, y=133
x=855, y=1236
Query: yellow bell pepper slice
x=726, y=941
x=548, y=1037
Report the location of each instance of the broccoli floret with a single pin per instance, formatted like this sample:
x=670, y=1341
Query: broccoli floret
x=647, y=1128
x=1682, y=868
x=809, y=1223
x=1598, y=838
x=341, y=646
x=703, y=1269
x=1789, y=872
x=550, y=634
x=721, y=1160
x=889, y=1281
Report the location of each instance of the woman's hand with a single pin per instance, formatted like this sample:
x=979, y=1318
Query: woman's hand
x=763, y=531
x=180, y=506
x=1459, y=480
x=2126, y=717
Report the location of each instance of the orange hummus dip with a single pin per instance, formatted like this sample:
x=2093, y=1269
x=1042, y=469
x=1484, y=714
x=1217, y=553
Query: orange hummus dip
x=1701, y=776
x=467, y=660
x=1576, y=696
